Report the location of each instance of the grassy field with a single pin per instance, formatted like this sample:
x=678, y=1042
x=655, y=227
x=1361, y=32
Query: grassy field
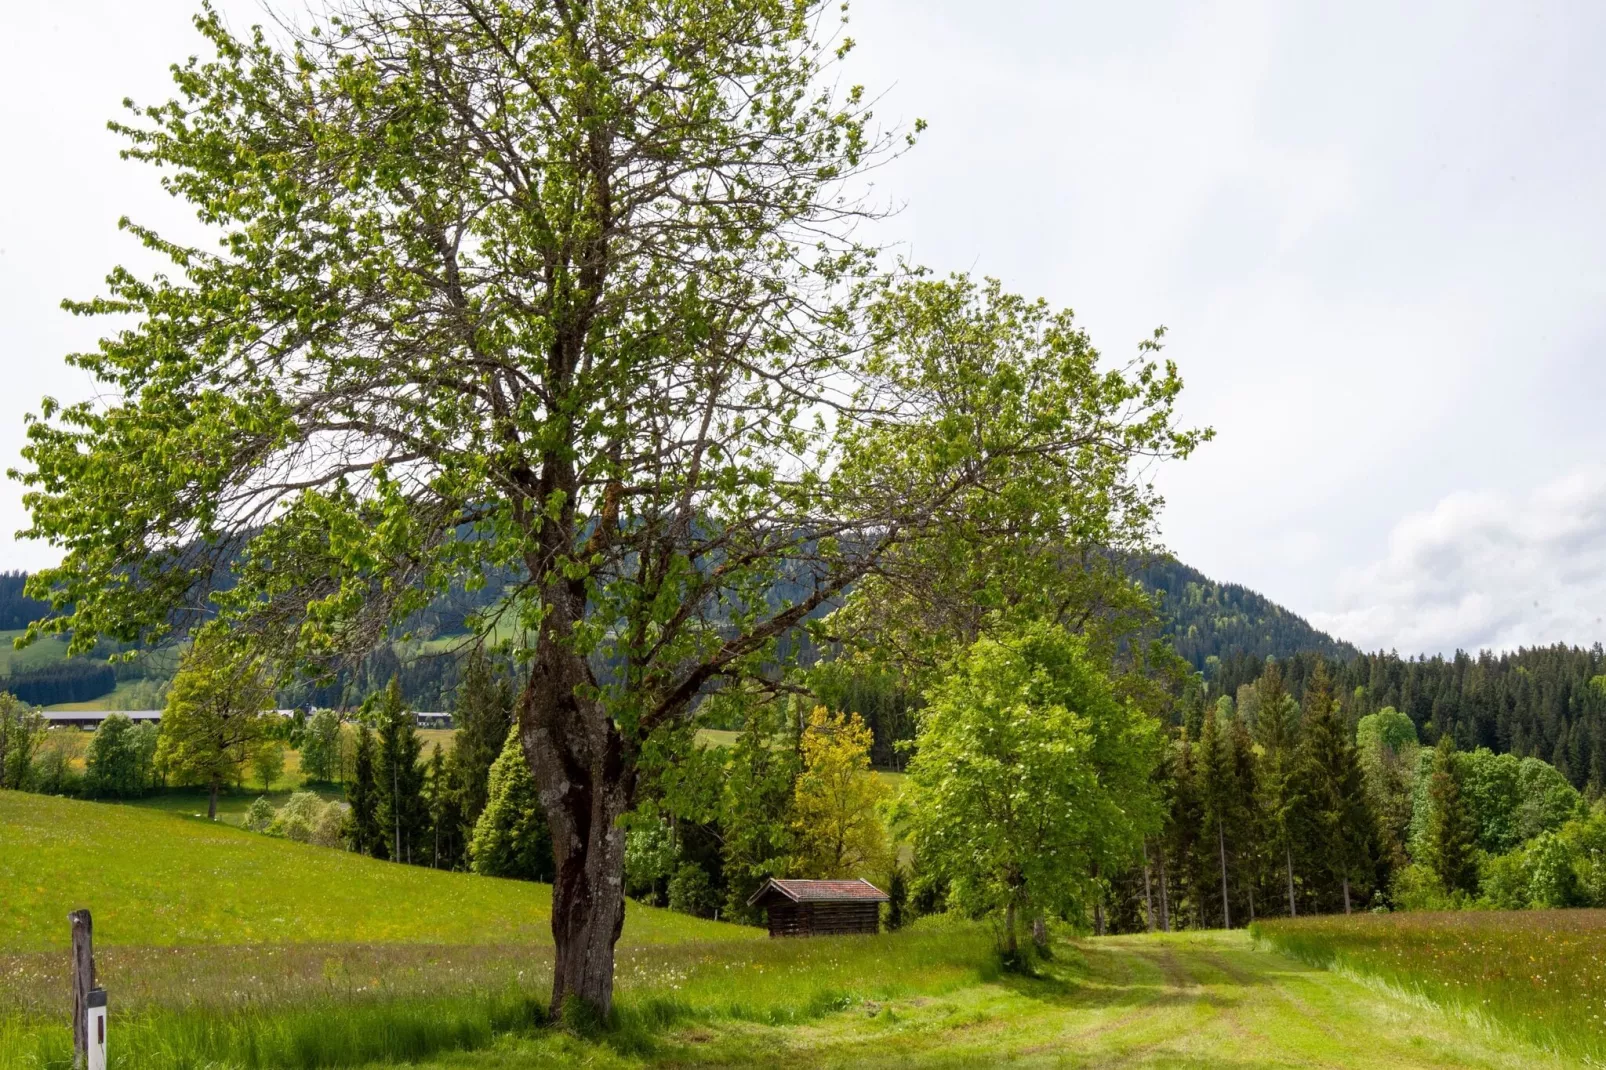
x=925, y=997
x=226, y=949
x=1541, y=973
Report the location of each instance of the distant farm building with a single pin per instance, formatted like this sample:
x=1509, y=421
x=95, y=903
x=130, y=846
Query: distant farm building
x=89, y=720
x=820, y=908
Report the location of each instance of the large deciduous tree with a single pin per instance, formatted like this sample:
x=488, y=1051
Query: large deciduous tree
x=568, y=291
x=1030, y=776
x=216, y=715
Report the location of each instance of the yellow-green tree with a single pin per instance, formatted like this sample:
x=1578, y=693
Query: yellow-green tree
x=836, y=802
x=216, y=716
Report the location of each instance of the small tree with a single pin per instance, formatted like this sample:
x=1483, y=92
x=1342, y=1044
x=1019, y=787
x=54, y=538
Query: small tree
x=22, y=729
x=836, y=823
x=320, y=748
x=214, y=716
x=267, y=761
x=1029, y=774
x=511, y=837
x=112, y=764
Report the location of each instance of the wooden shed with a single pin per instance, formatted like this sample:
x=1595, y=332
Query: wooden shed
x=820, y=908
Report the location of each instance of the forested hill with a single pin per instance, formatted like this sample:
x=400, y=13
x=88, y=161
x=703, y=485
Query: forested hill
x=17, y=610
x=1209, y=622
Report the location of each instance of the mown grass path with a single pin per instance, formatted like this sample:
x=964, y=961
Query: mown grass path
x=1198, y=1000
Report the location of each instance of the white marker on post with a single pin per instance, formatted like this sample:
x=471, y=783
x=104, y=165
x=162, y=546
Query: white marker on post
x=95, y=1028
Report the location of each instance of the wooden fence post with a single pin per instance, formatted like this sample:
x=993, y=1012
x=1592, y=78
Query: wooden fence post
x=83, y=979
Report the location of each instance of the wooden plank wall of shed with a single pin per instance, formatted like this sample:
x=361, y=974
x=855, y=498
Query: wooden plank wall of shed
x=822, y=919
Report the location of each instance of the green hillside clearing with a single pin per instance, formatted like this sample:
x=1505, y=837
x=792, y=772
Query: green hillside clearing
x=154, y=880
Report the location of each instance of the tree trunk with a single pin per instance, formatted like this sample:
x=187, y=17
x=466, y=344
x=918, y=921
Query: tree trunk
x=1098, y=916
x=1346, y=893
x=1288, y=856
x=586, y=782
x=1148, y=889
x=211, y=802
x=1221, y=845
x=1251, y=903
x=1165, y=903
x=1009, y=927
x=1040, y=932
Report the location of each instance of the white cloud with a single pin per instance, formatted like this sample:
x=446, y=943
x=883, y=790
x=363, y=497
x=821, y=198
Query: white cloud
x=1483, y=569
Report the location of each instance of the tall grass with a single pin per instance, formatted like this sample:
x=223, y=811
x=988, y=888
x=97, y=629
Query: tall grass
x=1538, y=974
x=304, y=1038
x=298, y=1023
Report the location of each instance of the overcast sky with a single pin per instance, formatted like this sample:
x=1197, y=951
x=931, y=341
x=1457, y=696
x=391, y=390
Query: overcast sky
x=1375, y=232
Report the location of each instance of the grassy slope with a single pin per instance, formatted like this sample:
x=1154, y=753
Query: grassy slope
x=44, y=652
x=153, y=880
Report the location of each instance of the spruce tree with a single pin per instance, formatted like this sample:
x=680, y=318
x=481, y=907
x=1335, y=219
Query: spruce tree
x=1451, y=832
x=1251, y=826
x=399, y=778
x=1276, y=732
x=363, y=833
x=1341, y=831
x=483, y=715
x=511, y=838
x=1182, y=834
x=1217, y=791
x=445, y=815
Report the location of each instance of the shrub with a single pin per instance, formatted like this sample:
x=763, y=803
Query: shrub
x=1417, y=887
x=260, y=815
x=52, y=766
x=1503, y=881
x=330, y=828
x=691, y=892
x=1554, y=882
x=299, y=817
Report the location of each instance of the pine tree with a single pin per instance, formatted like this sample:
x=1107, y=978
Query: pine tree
x=364, y=834
x=511, y=837
x=399, y=778
x=1451, y=832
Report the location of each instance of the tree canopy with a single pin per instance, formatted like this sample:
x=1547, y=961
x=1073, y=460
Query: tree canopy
x=571, y=292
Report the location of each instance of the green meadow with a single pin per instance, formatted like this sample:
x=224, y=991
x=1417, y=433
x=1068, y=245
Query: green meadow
x=226, y=949
x=155, y=881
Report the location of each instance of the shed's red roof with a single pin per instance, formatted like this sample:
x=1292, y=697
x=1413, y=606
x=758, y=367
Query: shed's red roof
x=822, y=891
